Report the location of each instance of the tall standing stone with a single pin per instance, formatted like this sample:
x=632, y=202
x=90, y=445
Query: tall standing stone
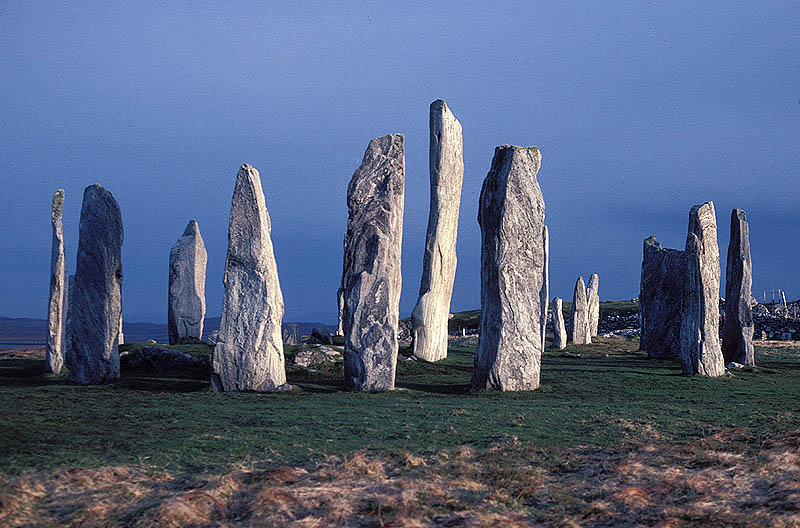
x=700, y=346
x=371, y=279
x=340, y=305
x=559, y=329
x=660, y=294
x=96, y=301
x=579, y=330
x=514, y=256
x=187, y=286
x=593, y=299
x=120, y=335
x=54, y=353
x=446, y=166
x=737, y=331
x=248, y=355
x=68, y=318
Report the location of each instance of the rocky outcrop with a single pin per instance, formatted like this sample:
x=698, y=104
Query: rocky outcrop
x=248, y=355
x=660, y=294
x=700, y=345
x=559, y=329
x=372, y=278
x=593, y=299
x=737, y=331
x=579, y=329
x=186, y=309
x=95, y=301
x=429, y=317
x=54, y=352
x=513, y=273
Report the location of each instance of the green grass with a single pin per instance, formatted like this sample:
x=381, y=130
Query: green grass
x=610, y=395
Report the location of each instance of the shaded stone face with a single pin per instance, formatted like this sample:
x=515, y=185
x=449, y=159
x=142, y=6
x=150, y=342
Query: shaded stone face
x=559, y=329
x=737, y=331
x=660, y=296
x=186, y=308
x=54, y=353
x=593, y=299
x=96, y=297
x=291, y=335
x=248, y=355
x=371, y=278
x=579, y=329
x=514, y=255
x=700, y=345
x=430, y=315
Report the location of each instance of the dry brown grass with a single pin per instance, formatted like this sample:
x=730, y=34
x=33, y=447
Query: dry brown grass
x=728, y=479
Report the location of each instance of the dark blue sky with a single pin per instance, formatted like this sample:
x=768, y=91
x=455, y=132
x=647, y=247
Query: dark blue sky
x=640, y=109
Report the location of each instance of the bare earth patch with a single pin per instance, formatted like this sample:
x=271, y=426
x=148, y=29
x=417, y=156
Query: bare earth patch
x=729, y=479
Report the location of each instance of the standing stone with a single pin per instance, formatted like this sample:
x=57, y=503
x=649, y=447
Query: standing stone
x=120, y=336
x=371, y=278
x=187, y=286
x=340, y=304
x=700, y=346
x=55, y=311
x=248, y=355
x=291, y=334
x=68, y=318
x=737, y=331
x=514, y=256
x=446, y=166
x=593, y=299
x=579, y=329
x=96, y=302
x=559, y=329
x=660, y=294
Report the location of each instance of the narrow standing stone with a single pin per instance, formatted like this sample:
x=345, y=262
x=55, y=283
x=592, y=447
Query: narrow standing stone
x=593, y=298
x=69, y=294
x=514, y=256
x=120, y=336
x=340, y=304
x=54, y=353
x=96, y=302
x=187, y=286
x=700, y=347
x=579, y=330
x=559, y=329
x=291, y=334
x=372, y=277
x=660, y=294
x=737, y=331
x=248, y=355
x=446, y=165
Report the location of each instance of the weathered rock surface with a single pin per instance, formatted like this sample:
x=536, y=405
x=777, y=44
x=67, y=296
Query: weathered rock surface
x=316, y=355
x=96, y=301
x=371, y=279
x=593, y=299
x=513, y=273
x=700, y=345
x=340, y=304
x=446, y=166
x=660, y=295
x=187, y=286
x=579, y=329
x=211, y=339
x=737, y=331
x=291, y=334
x=559, y=329
x=248, y=355
x=68, y=318
x=165, y=361
x=120, y=335
x=54, y=352
x=320, y=336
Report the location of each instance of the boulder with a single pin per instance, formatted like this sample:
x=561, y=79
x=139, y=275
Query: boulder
x=660, y=294
x=320, y=336
x=96, y=302
x=559, y=329
x=737, y=330
x=316, y=355
x=579, y=329
x=165, y=361
x=248, y=355
x=446, y=167
x=514, y=255
x=371, y=276
x=186, y=309
x=593, y=299
x=54, y=353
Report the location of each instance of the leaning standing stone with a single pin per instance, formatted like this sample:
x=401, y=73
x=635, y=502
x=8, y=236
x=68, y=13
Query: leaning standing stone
x=371, y=278
x=580, y=332
x=55, y=311
x=593, y=298
x=95, y=303
x=737, y=331
x=660, y=294
x=446, y=165
x=700, y=347
x=248, y=355
x=513, y=273
x=559, y=329
x=187, y=286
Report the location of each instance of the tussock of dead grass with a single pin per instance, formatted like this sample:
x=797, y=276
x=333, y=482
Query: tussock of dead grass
x=727, y=479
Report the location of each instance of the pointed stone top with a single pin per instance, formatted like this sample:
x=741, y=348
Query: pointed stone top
x=439, y=103
x=58, y=203
x=651, y=241
x=385, y=144
x=736, y=214
x=594, y=279
x=192, y=229
x=580, y=287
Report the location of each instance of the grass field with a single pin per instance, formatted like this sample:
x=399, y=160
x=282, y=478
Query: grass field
x=610, y=406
